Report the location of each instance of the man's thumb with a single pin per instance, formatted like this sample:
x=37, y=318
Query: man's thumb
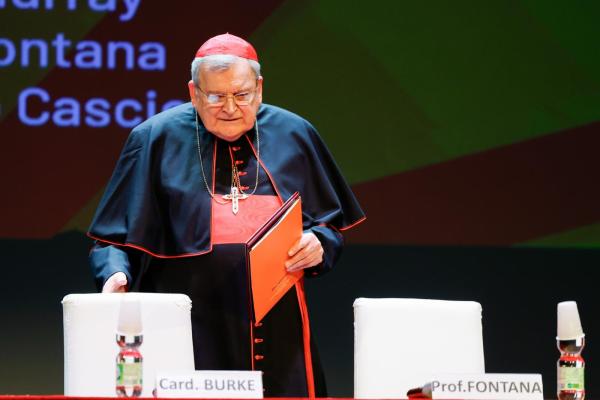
x=121, y=279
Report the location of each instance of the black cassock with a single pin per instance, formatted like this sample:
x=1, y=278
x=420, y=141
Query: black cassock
x=158, y=224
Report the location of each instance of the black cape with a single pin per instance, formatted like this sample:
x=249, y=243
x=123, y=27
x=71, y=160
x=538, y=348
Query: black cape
x=157, y=187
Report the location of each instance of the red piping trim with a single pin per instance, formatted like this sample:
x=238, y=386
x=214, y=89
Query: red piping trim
x=333, y=228
x=310, y=381
x=265, y=168
x=251, y=345
x=231, y=155
x=330, y=227
x=135, y=246
x=354, y=224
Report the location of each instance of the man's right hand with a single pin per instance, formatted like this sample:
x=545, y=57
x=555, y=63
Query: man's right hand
x=117, y=283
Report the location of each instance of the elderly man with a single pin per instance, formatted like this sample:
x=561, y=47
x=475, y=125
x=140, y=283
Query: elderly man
x=191, y=186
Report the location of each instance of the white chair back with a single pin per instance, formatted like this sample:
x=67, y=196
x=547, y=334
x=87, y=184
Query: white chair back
x=401, y=344
x=90, y=348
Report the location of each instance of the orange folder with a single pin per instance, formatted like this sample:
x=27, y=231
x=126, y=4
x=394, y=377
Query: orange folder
x=267, y=252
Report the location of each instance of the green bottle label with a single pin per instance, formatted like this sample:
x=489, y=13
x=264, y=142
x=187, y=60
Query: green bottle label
x=129, y=374
x=571, y=378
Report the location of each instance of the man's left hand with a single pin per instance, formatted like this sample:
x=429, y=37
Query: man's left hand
x=305, y=253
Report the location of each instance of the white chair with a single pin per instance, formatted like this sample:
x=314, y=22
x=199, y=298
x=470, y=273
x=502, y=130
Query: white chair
x=90, y=323
x=401, y=344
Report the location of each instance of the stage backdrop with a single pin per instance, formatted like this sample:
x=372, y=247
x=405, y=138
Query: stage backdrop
x=469, y=131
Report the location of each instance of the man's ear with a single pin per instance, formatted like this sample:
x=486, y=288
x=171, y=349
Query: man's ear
x=259, y=89
x=192, y=89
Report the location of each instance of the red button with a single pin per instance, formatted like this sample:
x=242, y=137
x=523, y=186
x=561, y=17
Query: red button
x=258, y=340
x=238, y=162
x=258, y=357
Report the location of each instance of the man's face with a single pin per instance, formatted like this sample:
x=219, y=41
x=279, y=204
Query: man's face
x=230, y=120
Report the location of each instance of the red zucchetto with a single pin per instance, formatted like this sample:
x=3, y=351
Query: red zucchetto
x=229, y=45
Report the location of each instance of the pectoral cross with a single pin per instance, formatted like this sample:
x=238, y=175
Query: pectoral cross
x=234, y=197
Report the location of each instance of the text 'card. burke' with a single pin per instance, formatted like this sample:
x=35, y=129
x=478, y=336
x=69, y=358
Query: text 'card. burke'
x=210, y=385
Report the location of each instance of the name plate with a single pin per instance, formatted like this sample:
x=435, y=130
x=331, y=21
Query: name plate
x=488, y=387
x=210, y=385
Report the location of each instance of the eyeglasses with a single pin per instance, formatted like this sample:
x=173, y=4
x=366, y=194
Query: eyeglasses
x=243, y=98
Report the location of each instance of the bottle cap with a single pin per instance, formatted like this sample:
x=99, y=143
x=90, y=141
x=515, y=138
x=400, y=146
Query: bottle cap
x=130, y=315
x=568, y=323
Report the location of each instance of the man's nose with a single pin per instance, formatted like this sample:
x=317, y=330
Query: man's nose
x=230, y=107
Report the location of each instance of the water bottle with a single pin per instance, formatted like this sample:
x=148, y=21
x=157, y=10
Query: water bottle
x=570, y=339
x=129, y=339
